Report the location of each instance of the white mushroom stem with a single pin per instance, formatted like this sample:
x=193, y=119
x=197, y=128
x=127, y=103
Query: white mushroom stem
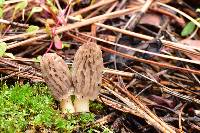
x=67, y=106
x=81, y=104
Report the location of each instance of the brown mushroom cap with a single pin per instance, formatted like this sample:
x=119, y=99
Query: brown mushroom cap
x=87, y=71
x=57, y=75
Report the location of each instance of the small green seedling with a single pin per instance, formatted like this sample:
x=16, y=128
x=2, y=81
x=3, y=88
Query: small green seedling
x=189, y=27
x=35, y=10
x=37, y=59
x=3, y=47
x=1, y=12
x=20, y=6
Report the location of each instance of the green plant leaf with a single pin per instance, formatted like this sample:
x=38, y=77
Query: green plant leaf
x=65, y=45
x=37, y=59
x=10, y=55
x=35, y=10
x=3, y=47
x=48, y=28
x=32, y=28
x=1, y=12
x=188, y=29
x=22, y=5
x=52, y=6
x=1, y=2
x=198, y=10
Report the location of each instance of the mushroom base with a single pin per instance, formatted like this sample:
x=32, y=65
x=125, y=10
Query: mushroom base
x=81, y=105
x=67, y=106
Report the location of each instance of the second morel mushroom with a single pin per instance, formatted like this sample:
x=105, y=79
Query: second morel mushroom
x=58, y=78
x=87, y=75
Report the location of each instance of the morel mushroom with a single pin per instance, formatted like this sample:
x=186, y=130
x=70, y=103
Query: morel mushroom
x=86, y=75
x=58, y=78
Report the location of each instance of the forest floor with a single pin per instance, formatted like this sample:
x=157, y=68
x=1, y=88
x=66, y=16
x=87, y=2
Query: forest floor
x=151, y=58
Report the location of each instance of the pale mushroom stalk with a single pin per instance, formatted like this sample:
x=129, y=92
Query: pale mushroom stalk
x=58, y=78
x=86, y=75
x=81, y=104
x=67, y=106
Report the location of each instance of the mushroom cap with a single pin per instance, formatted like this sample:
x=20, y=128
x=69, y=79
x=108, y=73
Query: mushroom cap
x=87, y=71
x=57, y=76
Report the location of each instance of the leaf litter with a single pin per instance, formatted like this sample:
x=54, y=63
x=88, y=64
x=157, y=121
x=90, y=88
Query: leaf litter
x=150, y=49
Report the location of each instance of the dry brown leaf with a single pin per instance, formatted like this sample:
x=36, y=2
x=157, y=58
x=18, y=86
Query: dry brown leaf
x=151, y=19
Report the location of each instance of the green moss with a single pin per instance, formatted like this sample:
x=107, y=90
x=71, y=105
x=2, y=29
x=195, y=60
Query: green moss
x=96, y=107
x=107, y=130
x=86, y=117
x=28, y=106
